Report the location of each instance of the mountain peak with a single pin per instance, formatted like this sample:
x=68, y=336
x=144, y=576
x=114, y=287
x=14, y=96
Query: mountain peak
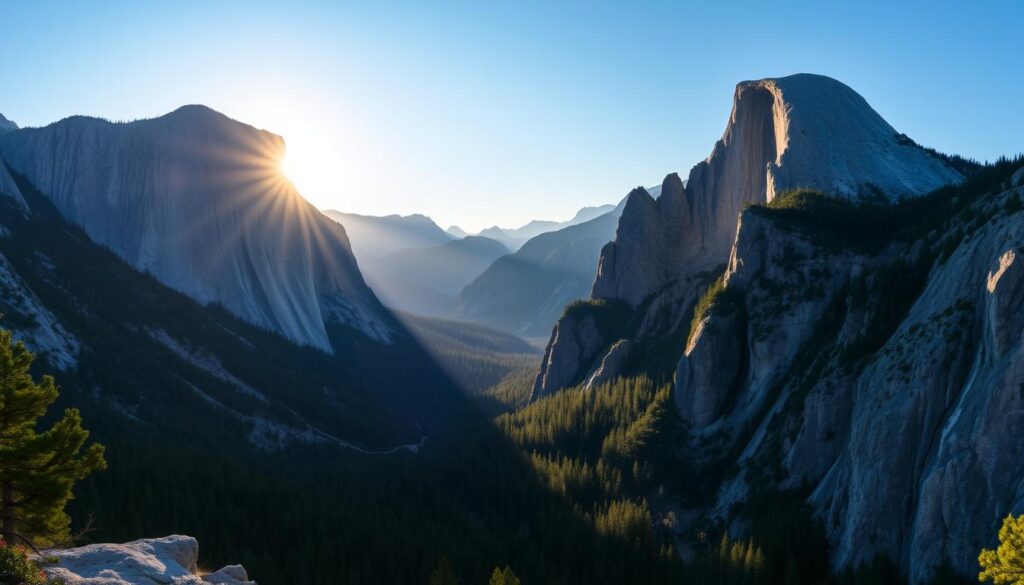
x=200, y=168
x=457, y=231
x=6, y=125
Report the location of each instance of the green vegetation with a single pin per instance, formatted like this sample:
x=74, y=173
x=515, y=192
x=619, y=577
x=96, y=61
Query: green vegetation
x=608, y=314
x=1005, y=564
x=37, y=470
x=716, y=300
x=506, y=577
x=18, y=568
x=486, y=364
x=868, y=227
x=443, y=574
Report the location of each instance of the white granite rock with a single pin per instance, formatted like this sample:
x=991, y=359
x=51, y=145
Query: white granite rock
x=157, y=561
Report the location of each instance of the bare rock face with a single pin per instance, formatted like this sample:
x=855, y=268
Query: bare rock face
x=197, y=199
x=9, y=189
x=786, y=285
x=798, y=131
x=612, y=364
x=171, y=559
x=631, y=265
x=906, y=421
x=585, y=329
x=581, y=338
x=706, y=373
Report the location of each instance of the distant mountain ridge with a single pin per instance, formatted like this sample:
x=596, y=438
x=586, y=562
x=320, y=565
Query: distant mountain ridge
x=415, y=266
x=426, y=280
x=516, y=237
x=375, y=236
x=525, y=292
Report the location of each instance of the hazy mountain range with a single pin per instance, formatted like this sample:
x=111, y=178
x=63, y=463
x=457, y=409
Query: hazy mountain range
x=517, y=280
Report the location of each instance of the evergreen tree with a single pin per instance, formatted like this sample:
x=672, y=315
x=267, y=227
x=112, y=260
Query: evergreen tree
x=37, y=470
x=506, y=577
x=443, y=573
x=1005, y=564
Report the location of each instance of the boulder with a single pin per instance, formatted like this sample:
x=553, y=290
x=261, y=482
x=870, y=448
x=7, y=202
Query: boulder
x=152, y=561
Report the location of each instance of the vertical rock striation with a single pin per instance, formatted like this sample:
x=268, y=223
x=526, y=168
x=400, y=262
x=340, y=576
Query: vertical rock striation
x=198, y=200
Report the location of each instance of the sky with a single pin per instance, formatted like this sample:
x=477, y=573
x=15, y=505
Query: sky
x=483, y=113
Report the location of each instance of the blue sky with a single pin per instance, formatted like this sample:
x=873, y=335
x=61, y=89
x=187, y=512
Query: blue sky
x=478, y=113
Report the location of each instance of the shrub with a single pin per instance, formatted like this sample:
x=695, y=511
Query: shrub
x=17, y=568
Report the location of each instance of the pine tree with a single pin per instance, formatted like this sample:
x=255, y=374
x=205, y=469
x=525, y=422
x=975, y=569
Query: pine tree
x=37, y=470
x=443, y=573
x=1005, y=564
x=506, y=577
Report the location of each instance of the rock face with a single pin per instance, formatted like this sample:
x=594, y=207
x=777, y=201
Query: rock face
x=164, y=193
x=875, y=370
x=797, y=131
x=887, y=380
x=171, y=559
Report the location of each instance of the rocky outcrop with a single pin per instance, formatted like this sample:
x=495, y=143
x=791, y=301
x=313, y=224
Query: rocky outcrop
x=585, y=329
x=797, y=131
x=707, y=372
x=632, y=266
x=576, y=336
x=172, y=559
x=612, y=364
x=883, y=378
x=164, y=193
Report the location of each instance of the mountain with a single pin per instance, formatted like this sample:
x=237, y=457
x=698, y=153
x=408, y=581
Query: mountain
x=514, y=238
x=496, y=233
x=456, y=232
x=832, y=304
x=525, y=292
x=186, y=369
x=426, y=280
x=6, y=125
x=798, y=131
x=374, y=237
x=588, y=213
x=870, y=357
x=196, y=199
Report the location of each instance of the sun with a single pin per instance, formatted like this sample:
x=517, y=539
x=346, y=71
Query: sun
x=311, y=162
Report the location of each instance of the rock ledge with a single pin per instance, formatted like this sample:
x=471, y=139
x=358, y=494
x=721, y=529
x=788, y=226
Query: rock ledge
x=171, y=559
